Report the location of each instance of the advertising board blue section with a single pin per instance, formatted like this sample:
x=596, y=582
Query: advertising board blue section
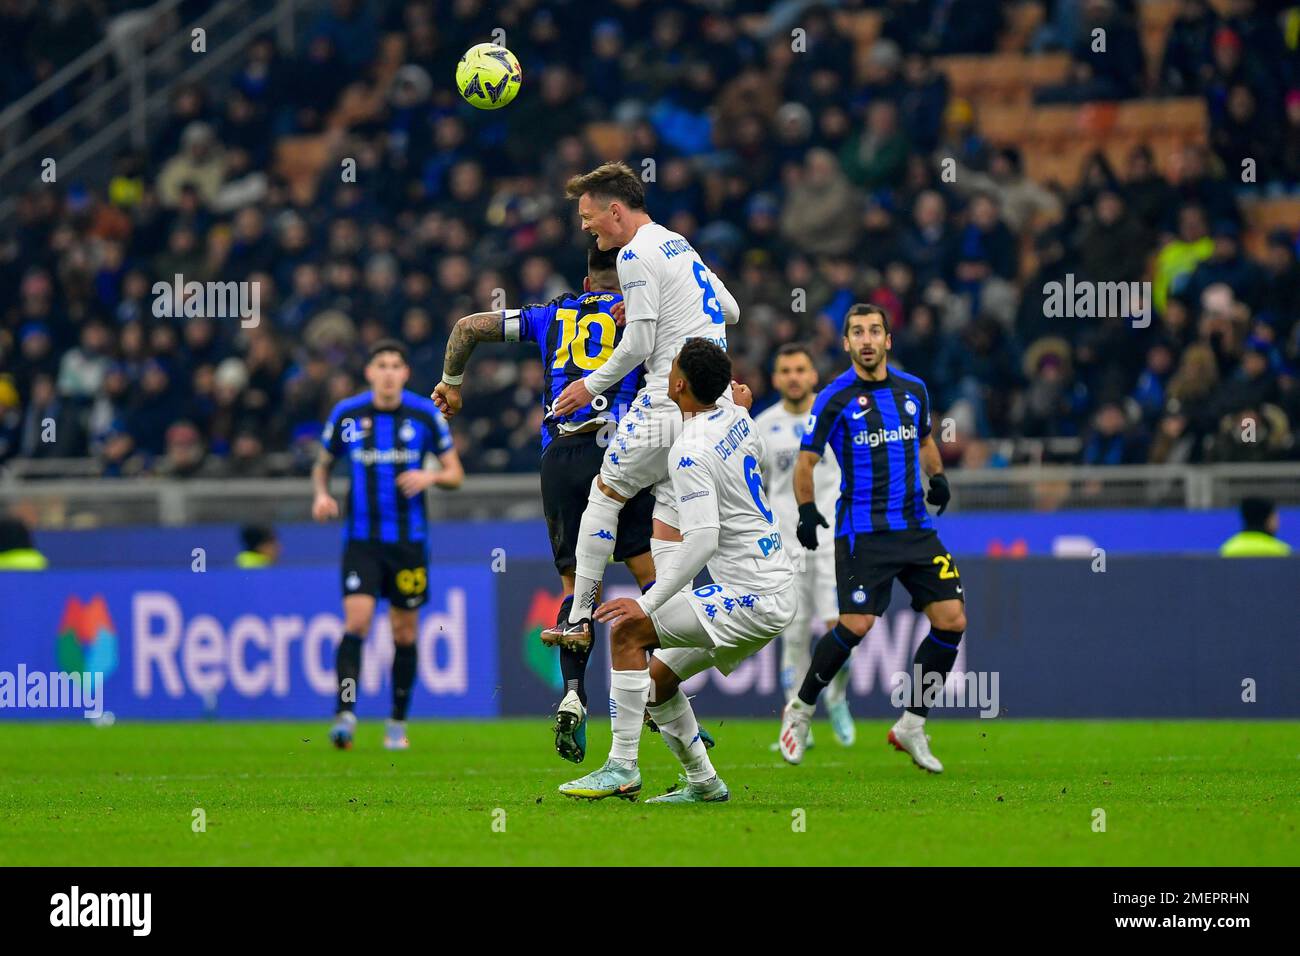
x=237, y=644
x=1145, y=638
x=976, y=533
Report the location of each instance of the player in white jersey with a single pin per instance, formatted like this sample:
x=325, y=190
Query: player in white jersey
x=717, y=482
x=669, y=296
x=782, y=429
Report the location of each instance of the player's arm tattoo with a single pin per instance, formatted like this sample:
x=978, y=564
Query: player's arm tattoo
x=468, y=332
x=320, y=471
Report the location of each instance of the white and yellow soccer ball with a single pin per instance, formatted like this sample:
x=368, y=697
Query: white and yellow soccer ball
x=488, y=76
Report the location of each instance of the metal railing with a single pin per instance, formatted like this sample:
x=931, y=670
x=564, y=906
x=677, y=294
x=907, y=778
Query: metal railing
x=126, y=85
x=95, y=501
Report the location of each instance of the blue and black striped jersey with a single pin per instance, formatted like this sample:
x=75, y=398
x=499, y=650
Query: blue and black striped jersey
x=379, y=445
x=577, y=334
x=875, y=430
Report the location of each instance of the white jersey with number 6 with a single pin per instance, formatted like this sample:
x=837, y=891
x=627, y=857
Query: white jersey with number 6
x=664, y=281
x=718, y=483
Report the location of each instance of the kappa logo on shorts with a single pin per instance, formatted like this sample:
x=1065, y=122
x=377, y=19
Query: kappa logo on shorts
x=613, y=458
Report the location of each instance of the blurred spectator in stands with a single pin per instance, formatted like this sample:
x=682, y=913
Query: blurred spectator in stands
x=1258, y=535
x=82, y=369
x=1185, y=65
x=1021, y=200
x=11, y=419
x=1279, y=301
x=961, y=138
x=927, y=242
x=1106, y=65
x=261, y=547
x=877, y=155
x=1113, y=245
x=1179, y=257
x=1054, y=400
x=52, y=425
x=1244, y=139
x=1226, y=264
x=1289, y=151
x=199, y=163
x=1150, y=392
x=1112, y=439
x=962, y=26
x=17, y=550
x=1252, y=434
x=821, y=212
x=1147, y=193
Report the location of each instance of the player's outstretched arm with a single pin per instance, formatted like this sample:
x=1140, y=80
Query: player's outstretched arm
x=468, y=332
x=698, y=545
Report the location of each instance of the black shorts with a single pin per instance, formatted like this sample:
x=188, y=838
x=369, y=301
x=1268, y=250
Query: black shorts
x=397, y=571
x=866, y=565
x=568, y=466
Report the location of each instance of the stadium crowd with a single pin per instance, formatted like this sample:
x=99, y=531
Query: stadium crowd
x=809, y=178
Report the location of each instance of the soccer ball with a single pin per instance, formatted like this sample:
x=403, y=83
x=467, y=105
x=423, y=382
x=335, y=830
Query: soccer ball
x=488, y=76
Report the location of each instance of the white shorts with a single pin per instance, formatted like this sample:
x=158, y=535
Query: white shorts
x=637, y=456
x=719, y=626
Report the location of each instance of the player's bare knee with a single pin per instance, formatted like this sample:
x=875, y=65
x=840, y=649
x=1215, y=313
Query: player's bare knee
x=949, y=618
x=607, y=491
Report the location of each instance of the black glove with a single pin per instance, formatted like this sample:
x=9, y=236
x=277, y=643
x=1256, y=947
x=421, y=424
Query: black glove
x=809, y=519
x=940, y=494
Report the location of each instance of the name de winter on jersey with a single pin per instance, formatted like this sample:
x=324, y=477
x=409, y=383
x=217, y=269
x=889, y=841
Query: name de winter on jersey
x=875, y=430
x=782, y=433
x=664, y=281
x=576, y=335
x=716, y=471
x=379, y=444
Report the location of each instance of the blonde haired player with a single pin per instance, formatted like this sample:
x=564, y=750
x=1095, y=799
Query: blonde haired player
x=670, y=297
x=782, y=428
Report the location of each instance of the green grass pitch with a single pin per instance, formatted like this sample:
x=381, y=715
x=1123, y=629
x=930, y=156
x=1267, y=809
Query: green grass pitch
x=1016, y=792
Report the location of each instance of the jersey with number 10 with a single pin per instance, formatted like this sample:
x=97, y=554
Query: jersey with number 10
x=576, y=334
x=665, y=281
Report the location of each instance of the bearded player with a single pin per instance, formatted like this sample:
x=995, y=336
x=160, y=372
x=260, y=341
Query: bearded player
x=877, y=421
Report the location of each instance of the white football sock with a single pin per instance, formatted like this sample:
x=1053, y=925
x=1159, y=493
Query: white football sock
x=796, y=656
x=596, y=536
x=628, y=691
x=681, y=732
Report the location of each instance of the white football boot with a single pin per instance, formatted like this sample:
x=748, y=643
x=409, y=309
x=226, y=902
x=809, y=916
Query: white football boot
x=796, y=720
x=915, y=742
